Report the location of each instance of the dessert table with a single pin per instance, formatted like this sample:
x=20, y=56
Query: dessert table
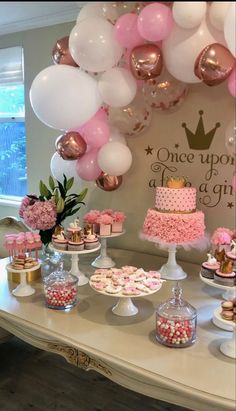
x=124, y=349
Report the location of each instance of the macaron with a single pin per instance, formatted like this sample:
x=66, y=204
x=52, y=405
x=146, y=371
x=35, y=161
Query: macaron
x=227, y=305
x=227, y=315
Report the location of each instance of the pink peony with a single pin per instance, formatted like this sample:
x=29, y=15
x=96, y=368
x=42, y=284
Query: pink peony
x=105, y=219
x=41, y=215
x=26, y=201
x=92, y=216
x=119, y=216
x=222, y=236
x=109, y=211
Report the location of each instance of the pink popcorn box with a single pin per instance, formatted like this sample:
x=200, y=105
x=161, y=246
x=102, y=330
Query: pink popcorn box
x=117, y=227
x=96, y=228
x=105, y=229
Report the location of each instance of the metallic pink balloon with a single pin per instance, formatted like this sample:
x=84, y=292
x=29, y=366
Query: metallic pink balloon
x=146, y=61
x=61, y=53
x=108, y=183
x=71, y=146
x=214, y=64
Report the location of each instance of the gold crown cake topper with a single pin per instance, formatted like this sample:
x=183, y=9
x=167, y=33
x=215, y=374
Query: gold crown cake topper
x=226, y=266
x=176, y=182
x=200, y=140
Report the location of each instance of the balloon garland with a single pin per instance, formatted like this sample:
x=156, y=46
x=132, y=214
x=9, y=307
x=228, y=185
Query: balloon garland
x=121, y=62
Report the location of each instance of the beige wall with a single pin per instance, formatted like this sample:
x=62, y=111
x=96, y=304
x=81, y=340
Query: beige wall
x=135, y=196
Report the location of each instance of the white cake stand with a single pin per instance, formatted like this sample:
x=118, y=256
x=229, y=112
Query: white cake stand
x=171, y=270
x=229, y=292
x=23, y=289
x=228, y=347
x=124, y=306
x=103, y=260
x=75, y=262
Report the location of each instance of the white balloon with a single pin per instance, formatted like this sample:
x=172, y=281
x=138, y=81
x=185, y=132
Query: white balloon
x=229, y=28
x=217, y=13
x=114, y=159
x=117, y=87
x=91, y=9
x=93, y=45
x=182, y=47
x=64, y=97
x=59, y=167
x=116, y=136
x=189, y=14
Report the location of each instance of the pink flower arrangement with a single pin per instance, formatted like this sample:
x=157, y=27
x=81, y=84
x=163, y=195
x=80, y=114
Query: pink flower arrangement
x=92, y=216
x=222, y=236
x=41, y=215
x=104, y=219
x=109, y=211
x=118, y=216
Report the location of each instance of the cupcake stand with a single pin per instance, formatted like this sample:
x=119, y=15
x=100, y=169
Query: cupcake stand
x=75, y=262
x=124, y=307
x=23, y=289
x=103, y=260
x=228, y=294
x=228, y=347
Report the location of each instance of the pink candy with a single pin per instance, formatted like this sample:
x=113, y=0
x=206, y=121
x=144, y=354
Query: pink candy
x=60, y=296
x=175, y=333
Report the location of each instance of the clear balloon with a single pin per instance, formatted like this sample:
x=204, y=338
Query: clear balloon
x=108, y=183
x=71, y=146
x=117, y=87
x=116, y=136
x=165, y=93
x=132, y=119
x=126, y=31
x=182, y=47
x=217, y=13
x=61, y=53
x=229, y=27
x=214, y=64
x=87, y=166
x=114, y=159
x=146, y=61
x=230, y=138
x=232, y=83
x=112, y=10
x=189, y=14
x=93, y=45
x=64, y=97
x=91, y=9
x=155, y=22
x=59, y=167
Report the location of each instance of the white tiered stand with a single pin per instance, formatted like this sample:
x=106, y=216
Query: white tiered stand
x=103, y=260
x=228, y=347
x=75, y=262
x=23, y=289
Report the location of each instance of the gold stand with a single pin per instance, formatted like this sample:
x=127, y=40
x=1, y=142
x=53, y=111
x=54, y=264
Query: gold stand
x=31, y=276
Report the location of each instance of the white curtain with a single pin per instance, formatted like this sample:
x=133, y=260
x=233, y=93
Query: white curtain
x=11, y=66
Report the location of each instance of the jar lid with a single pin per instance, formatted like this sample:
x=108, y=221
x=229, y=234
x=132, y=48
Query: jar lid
x=60, y=277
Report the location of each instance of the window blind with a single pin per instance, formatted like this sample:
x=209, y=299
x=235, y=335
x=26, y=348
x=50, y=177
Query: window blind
x=11, y=66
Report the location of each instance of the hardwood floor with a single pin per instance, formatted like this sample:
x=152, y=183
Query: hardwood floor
x=34, y=380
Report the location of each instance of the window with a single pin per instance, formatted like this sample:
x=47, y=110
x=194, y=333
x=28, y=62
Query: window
x=13, y=177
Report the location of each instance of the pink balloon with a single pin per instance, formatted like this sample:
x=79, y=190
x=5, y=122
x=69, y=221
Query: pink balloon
x=232, y=83
x=155, y=22
x=100, y=115
x=95, y=132
x=87, y=166
x=126, y=31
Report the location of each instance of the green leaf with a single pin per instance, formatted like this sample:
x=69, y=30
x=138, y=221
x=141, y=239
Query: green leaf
x=69, y=183
x=51, y=183
x=44, y=190
x=65, y=181
x=62, y=191
x=56, y=195
x=60, y=205
x=82, y=194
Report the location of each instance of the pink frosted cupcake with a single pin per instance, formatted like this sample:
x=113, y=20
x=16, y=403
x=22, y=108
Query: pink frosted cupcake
x=91, y=242
x=60, y=242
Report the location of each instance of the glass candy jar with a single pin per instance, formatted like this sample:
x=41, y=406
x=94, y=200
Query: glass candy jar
x=176, y=321
x=60, y=289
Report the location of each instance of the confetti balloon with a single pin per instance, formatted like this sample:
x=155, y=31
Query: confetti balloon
x=132, y=119
x=108, y=183
x=165, y=93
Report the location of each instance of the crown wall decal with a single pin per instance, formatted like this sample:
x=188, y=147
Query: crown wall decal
x=200, y=140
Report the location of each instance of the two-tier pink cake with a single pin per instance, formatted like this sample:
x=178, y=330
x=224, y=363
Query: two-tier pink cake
x=175, y=219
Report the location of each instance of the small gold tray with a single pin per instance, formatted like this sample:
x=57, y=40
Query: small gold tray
x=30, y=276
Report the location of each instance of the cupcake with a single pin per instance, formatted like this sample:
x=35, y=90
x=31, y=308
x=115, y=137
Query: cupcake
x=60, y=242
x=232, y=253
x=91, y=242
x=76, y=242
x=209, y=267
x=225, y=275
x=73, y=228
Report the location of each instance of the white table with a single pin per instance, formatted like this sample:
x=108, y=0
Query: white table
x=124, y=349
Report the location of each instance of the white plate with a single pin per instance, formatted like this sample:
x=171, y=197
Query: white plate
x=74, y=252
x=120, y=295
x=226, y=322
x=25, y=270
x=111, y=235
x=216, y=285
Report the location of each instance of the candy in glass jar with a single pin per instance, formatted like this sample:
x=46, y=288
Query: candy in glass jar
x=60, y=289
x=176, y=321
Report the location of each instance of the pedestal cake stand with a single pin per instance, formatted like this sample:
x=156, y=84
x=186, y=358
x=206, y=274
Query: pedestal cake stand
x=171, y=270
x=124, y=306
x=75, y=262
x=103, y=260
x=228, y=347
x=23, y=289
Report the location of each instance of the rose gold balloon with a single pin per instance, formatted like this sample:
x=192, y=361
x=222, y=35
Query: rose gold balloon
x=61, y=53
x=214, y=64
x=146, y=61
x=108, y=183
x=71, y=146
